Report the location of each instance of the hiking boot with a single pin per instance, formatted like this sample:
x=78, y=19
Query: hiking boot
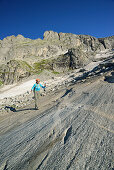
x=36, y=108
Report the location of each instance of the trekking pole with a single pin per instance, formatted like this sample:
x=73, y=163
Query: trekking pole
x=45, y=86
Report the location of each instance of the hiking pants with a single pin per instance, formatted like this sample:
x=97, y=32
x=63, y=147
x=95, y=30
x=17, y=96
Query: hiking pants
x=36, y=96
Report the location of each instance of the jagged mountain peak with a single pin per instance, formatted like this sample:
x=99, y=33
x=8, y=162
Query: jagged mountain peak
x=61, y=51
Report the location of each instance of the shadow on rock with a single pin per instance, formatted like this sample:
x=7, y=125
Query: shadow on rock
x=25, y=109
x=110, y=79
x=10, y=108
x=14, y=110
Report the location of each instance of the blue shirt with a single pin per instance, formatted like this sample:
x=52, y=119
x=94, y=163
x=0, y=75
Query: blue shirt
x=37, y=86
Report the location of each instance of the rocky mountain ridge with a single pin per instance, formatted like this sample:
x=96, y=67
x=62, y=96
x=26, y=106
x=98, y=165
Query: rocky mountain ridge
x=57, y=52
x=74, y=126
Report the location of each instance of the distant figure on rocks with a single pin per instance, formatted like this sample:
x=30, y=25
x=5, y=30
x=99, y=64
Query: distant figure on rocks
x=36, y=90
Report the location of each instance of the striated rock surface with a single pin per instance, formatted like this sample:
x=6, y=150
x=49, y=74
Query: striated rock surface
x=74, y=128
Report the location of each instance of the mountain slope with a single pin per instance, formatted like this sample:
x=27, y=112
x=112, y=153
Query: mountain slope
x=74, y=129
x=74, y=126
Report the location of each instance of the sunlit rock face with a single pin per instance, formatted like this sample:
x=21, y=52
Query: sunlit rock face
x=61, y=52
x=74, y=126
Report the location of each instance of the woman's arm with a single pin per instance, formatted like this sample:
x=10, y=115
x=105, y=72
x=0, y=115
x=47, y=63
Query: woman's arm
x=33, y=87
x=43, y=86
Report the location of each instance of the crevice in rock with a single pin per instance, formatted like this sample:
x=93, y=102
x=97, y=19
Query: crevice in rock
x=102, y=42
x=68, y=134
x=42, y=162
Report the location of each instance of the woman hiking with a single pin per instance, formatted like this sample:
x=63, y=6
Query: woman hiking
x=36, y=89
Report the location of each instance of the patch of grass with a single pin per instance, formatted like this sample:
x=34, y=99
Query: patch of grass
x=36, y=71
x=5, y=72
x=21, y=64
x=24, y=64
x=39, y=65
x=1, y=83
x=44, y=64
x=55, y=72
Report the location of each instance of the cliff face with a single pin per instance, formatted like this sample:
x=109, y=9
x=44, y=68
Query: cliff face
x=73, y=128
x=61, y=52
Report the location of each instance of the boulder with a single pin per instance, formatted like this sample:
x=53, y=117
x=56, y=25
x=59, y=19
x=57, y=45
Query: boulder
x=14, y=71
x=73, y=59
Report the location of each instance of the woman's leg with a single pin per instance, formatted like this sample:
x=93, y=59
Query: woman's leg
x=37, y=94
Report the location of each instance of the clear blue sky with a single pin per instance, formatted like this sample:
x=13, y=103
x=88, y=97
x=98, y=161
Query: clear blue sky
x=32, y=18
